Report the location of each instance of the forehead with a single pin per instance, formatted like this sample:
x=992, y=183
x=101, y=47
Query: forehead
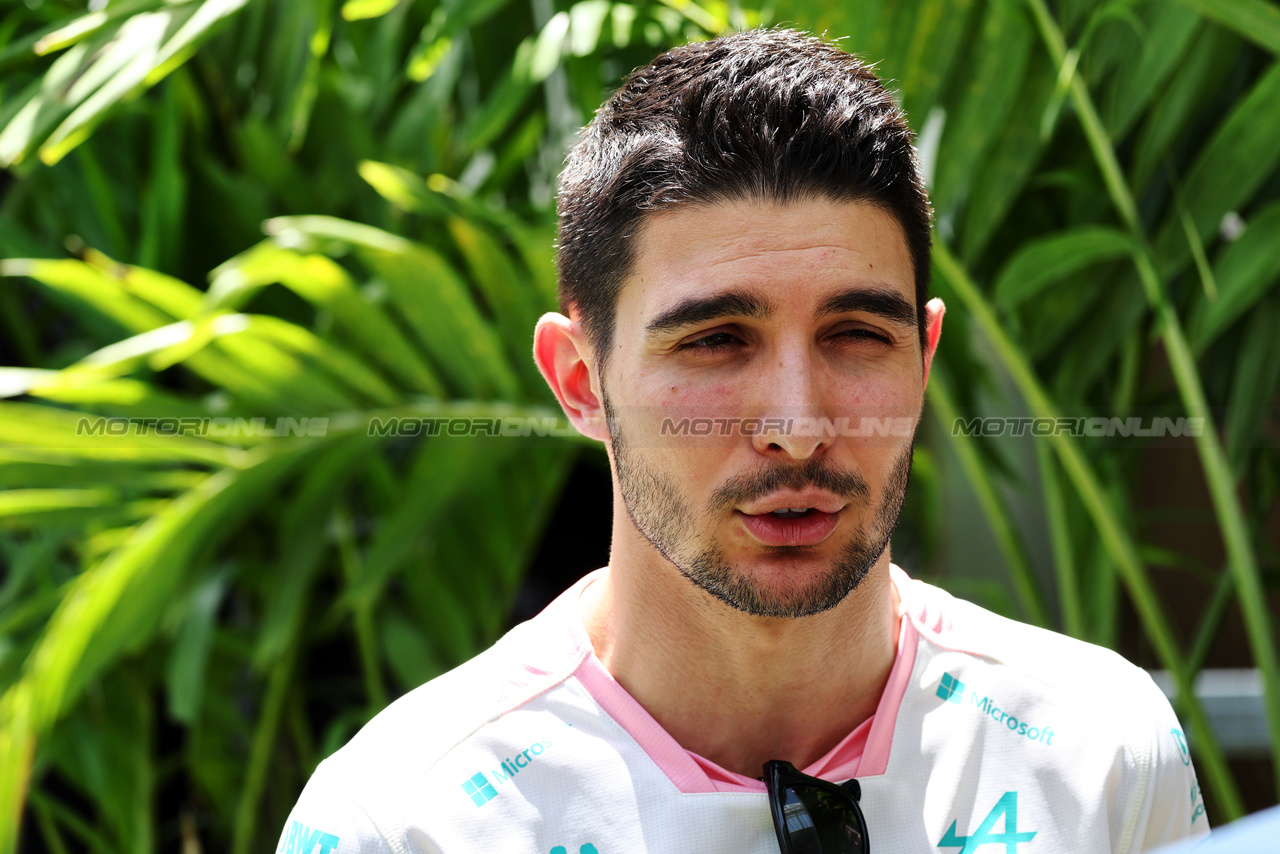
x=791, y=255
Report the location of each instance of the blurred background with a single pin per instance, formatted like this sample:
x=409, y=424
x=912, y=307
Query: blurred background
x=284, y=230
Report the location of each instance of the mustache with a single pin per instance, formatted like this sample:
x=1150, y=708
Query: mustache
x=812, y=472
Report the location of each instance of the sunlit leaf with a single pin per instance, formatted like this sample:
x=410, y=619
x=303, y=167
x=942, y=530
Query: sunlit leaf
x=402, y=188
x=154, y=45
x=19, y=503
x=325, y=283
x=44, y=104
x=360, y=10
x=431, y=298
x=172, y=296
x=90, y=286
x=45, y=428
x=505, y=289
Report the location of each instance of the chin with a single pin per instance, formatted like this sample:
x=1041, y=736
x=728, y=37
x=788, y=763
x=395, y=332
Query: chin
x=789, y=583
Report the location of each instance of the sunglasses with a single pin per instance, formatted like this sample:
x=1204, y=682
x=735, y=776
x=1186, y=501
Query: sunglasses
x=812, y=816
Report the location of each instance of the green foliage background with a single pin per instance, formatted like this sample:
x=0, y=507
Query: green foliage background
x=305, y=208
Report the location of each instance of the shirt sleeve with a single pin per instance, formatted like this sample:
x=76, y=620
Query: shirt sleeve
x=1176, y=805
x=328, y=820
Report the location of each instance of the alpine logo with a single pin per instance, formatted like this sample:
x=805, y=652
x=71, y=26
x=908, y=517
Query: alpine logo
x=1004, y=812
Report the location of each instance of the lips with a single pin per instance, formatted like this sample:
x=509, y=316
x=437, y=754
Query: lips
x=772, y=529
x=811, y=499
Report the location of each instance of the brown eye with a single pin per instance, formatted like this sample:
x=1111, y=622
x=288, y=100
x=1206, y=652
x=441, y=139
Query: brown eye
x=859, y=333
x=714, y=341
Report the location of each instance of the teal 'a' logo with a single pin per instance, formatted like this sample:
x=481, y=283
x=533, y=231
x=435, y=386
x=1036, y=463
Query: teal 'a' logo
x=1009, y=837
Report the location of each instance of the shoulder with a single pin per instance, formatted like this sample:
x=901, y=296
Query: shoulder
x=358, y=798
x=1046, y=662
x=431, y=720
x=1084, y=717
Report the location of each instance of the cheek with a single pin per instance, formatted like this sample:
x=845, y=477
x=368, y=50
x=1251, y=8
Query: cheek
x=876, y=403
x=705, y=398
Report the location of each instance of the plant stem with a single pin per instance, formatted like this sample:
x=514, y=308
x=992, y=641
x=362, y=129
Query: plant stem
x=362, y=608
x=48, y=809
x=1211, y=620
x=1240, y=557
x=1060, y=538
x=48, y=829
x=978, y=476
x=264, y=740
x=1117, y=542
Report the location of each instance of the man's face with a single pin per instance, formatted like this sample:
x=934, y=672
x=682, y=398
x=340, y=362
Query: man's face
x=756, y=321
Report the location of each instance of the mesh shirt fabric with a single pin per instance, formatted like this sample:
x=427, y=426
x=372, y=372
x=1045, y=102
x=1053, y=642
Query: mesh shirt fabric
x=990, y=733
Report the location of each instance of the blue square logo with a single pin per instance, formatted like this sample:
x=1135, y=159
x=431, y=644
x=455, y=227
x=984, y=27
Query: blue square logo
x=951, y=689
x=480, y=789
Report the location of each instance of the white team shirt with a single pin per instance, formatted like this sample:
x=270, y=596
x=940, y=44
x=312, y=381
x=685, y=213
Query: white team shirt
x=991, y=737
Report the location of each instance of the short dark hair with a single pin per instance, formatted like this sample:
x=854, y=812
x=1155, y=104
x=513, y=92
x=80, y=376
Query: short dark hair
x=770, y=114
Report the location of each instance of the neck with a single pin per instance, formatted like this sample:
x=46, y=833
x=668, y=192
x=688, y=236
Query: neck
x=736, y=689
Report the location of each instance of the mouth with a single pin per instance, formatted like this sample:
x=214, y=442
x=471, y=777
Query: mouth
x=792, y=512
x=790, y=526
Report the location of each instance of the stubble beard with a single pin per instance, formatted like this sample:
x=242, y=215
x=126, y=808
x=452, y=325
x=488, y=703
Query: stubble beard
x=664, y=517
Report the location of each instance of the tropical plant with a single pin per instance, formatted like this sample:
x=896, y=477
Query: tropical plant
x=192, y=618
x=182, y=591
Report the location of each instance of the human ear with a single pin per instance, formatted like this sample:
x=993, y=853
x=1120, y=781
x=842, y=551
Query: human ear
x=561, y=351
x=934, y=310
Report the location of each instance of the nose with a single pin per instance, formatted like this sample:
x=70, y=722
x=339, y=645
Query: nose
x=793, y=408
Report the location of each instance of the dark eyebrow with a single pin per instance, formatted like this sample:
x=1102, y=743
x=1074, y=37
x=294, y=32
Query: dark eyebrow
x=699, y=309
x=883, y=302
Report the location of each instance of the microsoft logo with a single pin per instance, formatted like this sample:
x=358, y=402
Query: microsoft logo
x=951, y=689
x=480, y=789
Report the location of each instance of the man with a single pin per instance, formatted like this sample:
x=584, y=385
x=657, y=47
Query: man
x=744, y=256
